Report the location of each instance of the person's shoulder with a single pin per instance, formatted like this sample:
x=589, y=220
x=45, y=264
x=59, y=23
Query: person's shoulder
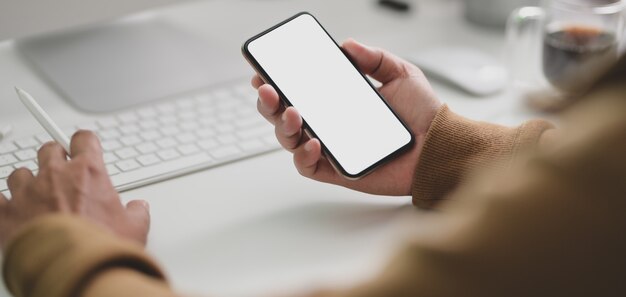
x=592, y=138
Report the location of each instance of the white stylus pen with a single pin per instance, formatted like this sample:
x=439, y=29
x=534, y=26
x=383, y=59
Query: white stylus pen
x=44, y=119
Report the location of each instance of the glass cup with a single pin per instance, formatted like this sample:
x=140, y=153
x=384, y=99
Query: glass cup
x=564, y=44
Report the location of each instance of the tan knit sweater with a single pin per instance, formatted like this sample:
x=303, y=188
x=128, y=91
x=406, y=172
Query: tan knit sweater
x=545, y=222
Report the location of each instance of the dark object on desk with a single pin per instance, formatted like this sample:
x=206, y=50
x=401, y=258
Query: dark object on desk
x=493, y=13
x=396, y=5
x=574, y=53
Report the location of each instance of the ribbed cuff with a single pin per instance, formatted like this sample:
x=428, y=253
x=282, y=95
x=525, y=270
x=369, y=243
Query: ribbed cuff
x=56, y=255
x=455, y=146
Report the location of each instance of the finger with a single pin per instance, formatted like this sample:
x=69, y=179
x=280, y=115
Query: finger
x=309, y=162
x=257, y=81
x=289, y=129
x=20, y=178
x=377, y=63
x=85, y=143
x=269, y=103
x=139, y=213
x=307, y=157
x=49, y=153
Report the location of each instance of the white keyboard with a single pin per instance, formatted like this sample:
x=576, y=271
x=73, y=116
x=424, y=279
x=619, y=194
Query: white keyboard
x=167, y=139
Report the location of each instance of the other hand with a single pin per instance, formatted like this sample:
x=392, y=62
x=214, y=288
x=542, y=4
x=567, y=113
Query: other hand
x=80, y=186
x=405, y=88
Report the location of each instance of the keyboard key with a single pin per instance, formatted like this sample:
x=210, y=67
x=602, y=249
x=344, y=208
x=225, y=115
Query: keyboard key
x=147, y=160
x=168, y=154
x=208, y=121
x=161, y=170
x=126, y=153
x=5, y=172
x=130, y=140
x=7, y=148
x=7, y=159
x=224, y=128
x=226, y=105
x=171, y=130
x=112, y=169
x=166, y=143
x=111, y=145
x=129, y=129
x=208, y=144
x=149, y=124
x=109, y=158
x=25, y=143
x=127, y=165
x=227, y=116
x=252, y=145
x=250, y=122
x=225, y=152
x=150, y=135
x=30, y=165
x=186, y=137
x=24, y=155
x=188, y=149
x=43, y=138
x=109, y=134
x=146, y=148
x=189, y=126
x=227, y=139
x=248, y=113
x=207, y=111
x=187, y=115
x=168, y=119
x=206, y=132
x=256, y=132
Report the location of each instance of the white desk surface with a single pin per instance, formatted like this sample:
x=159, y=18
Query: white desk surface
x=256, y=227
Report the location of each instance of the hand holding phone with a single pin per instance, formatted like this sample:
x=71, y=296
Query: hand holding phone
x=406, y=91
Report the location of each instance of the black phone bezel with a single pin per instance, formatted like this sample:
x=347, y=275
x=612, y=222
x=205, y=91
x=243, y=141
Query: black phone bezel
x=259, y=69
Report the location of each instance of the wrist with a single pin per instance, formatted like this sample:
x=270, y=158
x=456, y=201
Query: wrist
x=69, y=251
x=456, y=146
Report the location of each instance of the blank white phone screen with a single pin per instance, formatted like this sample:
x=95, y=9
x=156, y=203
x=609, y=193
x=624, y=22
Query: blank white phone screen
x=338, y=104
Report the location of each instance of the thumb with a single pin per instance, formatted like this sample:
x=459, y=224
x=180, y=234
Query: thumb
x=139, y=213
x=377, y=63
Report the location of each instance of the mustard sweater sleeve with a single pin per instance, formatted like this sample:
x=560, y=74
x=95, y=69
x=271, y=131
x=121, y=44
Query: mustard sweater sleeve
x=61, y=255
x=554, y=224
x=455, y=146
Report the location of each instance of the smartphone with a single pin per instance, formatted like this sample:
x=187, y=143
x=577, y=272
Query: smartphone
x=356, y=127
